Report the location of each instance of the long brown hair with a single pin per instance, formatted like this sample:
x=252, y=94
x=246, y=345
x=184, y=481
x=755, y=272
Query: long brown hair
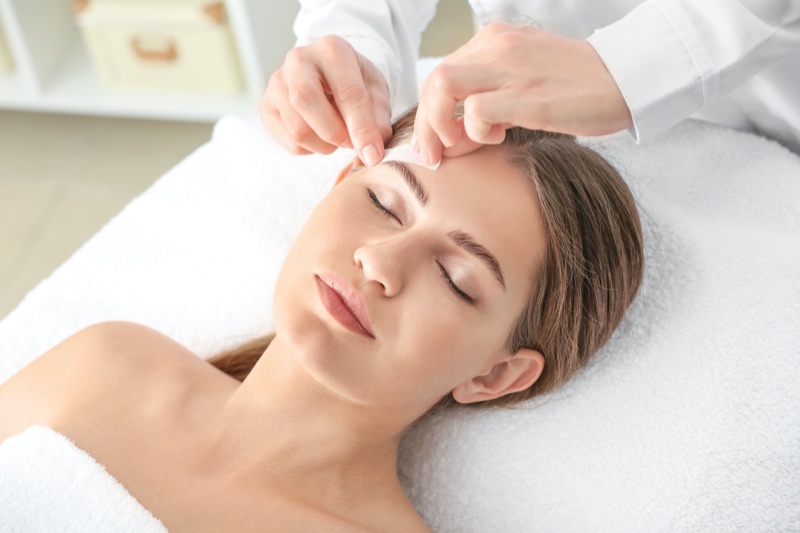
x=592, y=269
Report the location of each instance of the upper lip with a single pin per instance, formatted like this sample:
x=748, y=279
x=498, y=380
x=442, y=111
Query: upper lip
x=352, y=299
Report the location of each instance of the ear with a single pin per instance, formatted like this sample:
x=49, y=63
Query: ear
x=348, y=168
x=514, y=373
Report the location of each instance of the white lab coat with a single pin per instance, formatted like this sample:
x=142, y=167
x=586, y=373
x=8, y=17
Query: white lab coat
x=732, y=62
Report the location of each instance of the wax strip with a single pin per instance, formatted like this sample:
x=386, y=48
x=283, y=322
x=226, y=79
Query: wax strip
x=406, y=154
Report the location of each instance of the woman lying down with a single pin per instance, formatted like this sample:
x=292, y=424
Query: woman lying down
x=486, y=282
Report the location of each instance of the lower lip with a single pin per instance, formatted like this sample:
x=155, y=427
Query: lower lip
x=338, y=310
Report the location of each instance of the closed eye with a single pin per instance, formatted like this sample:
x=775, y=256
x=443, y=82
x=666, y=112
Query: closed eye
x=445, y=275
x=381, y=208
x=461, y=294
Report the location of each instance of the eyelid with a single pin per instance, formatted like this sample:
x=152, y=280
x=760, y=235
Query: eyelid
x=394, y=199
x=455, y=288
x=382, y=208
x=445, y=274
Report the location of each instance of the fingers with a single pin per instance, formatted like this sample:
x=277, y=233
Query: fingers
x=307, y=97
x=291, y=92
x=466, y=141
x=379, y=96
x=443, y=90
x=299, y=132
x=486, y=116
x=436, y=126
x=327, y=96
x=355, y=105
x=426, y=141
x=463, y=146
x=269, y=111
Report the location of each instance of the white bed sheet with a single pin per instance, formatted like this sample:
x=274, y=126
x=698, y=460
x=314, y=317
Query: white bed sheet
x=688, y=420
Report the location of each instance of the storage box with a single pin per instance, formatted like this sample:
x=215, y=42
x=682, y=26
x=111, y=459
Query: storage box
x=161, y=45
x=6, y=64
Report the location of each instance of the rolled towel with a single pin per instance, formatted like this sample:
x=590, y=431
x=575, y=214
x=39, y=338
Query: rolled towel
x=48, y=484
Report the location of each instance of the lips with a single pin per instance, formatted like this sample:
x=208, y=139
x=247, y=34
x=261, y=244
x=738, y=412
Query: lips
x=344, y=303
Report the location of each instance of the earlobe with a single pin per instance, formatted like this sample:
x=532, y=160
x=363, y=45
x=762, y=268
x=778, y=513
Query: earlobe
x=348, y=168
x=513, y=374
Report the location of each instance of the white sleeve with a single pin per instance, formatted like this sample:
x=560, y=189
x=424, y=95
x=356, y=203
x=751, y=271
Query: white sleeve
x=672, y=57
x=387, y=32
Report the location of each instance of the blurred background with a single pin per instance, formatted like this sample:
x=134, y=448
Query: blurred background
x=98, y=98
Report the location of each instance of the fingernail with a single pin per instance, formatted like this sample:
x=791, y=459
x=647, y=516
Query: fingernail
x=446, y=142
x=425, y=157
x=414, y=143
x=369, y=155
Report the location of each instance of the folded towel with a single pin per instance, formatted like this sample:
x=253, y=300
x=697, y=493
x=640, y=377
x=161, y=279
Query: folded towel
x=47, y=485
x=688, y=420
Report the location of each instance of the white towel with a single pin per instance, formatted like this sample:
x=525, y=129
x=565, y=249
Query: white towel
x=49, y=485
x=688, y=420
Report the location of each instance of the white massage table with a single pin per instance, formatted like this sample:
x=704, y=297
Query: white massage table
x=688, y=420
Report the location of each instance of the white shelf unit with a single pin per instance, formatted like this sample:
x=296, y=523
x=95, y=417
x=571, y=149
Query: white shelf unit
x=52, y=71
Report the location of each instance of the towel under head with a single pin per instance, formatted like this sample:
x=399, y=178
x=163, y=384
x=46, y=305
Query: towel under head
x=688, y=420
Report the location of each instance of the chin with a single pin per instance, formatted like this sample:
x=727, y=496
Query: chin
x=329, y=354
x=326, y=355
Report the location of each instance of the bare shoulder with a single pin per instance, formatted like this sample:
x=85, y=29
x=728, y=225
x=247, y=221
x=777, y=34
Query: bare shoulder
x=101, y=361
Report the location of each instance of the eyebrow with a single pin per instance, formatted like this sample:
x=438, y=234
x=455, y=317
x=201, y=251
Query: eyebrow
x=462, y=239
x=404, y=169
x=465, y=241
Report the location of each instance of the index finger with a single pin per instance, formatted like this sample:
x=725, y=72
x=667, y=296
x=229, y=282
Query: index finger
x=351, y=96
x=306, y=94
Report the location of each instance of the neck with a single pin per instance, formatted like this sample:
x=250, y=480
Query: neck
x=282, y=427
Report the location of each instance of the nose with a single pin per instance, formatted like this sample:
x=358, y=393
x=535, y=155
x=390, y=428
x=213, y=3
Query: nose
x=389, y=261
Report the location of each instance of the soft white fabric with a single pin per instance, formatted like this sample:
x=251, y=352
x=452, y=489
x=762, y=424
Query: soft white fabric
x=387, y=32
x=47, y=484
x=195, y=256
x=731, y=62
x=688, y=420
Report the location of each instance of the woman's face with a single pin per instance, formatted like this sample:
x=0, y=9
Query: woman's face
x=440, y=264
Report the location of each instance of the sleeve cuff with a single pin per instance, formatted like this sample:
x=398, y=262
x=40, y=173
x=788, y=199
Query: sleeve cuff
x=650, y=57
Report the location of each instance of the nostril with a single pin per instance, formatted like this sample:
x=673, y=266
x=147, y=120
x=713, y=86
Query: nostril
x=375, y=266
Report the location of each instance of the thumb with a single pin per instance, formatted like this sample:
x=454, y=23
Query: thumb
x=465, y=145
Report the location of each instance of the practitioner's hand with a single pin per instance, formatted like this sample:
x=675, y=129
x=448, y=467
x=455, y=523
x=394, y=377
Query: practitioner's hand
x=516, y=76
x=325, y=96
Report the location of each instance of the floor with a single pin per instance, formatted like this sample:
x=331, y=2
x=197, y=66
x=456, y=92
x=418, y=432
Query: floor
x=63, y=177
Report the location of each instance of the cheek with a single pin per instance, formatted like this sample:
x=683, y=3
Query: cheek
x=326, y=242
x=335, y=224
x=326, y=236
x=442, y=348
x=451, y=348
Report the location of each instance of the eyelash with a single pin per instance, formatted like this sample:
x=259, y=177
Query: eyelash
x=445, y=275
x=461, y=294
x=379, y=206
